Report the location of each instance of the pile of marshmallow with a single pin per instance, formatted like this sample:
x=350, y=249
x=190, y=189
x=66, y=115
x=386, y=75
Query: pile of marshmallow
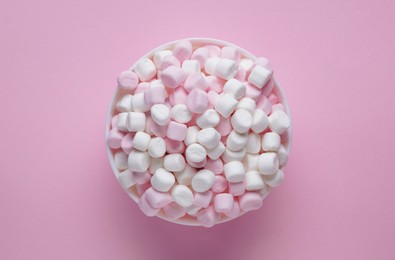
x=198, y=134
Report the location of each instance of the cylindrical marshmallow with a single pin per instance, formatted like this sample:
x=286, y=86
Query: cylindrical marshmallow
x=176, y=131
x=182, y=195
x=234, y=171
x=279, y=122
x=282, y=154
x=210, y=65
x=207, y=217
x=125, y=179
x=225, y=69
x=195, y=153
x=138, y=161
x=216, y=166
x=197, y=101
x=247, y=104
x=223, y=203
x=216, y=152
x=174, y=162
x=271, y=142
x=157, y=199
x=160, y=55
x=235, y=88
x=157, y=147
x=250, y=201
x=174, y=211
x=160, y=113
x=122, y=122
x=180, y=113
x=220, y=184
x=146, y=208
x=128, y=80
x=236, y=141
x=250, y=161
x=268, y=163
x=229, y=52
x=201, y=54
x=191, y=135
x=254, y=181
x=141, y=141
x=230, y=155
x=162, y=180
x=209, y=137
x=138, y=103
x=275, y=179
x=191, y=67
x=121, y=160
x=259, y=76
x=226, y=104
x=203, y=199
x=182, y=50
x=253, y=143
x=145, y=69
x=203, y=180
x=173, y=76
x=210, y=118
x=185, y=176
x=241, y=121
x=125, y=104
x=260, y=121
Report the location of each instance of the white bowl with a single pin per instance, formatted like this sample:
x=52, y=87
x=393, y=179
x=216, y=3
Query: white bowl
x=196, y=42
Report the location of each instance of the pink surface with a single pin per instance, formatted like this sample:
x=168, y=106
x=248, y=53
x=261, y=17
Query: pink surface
x=59, y=61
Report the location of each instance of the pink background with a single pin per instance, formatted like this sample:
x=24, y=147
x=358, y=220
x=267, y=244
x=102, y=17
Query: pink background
x=58, y=65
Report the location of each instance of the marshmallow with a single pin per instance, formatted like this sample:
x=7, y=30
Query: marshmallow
x=197, y=101
x=212, y=98
x=207, y=217
x=259, y=76
x=278, y=107
x=250, y=161
x=268, y=163
x=224, y=127
x=236, y=141
x=210, y=118
x=226, y=104
x=160, y=113
x=209, y=137
x=235, y=88
x=282, y=154
x=155, y=95
x=168, y=61
x=210, y=65
x=253, y=143
x=155, y=164
x=114, y=138
x=122, y=121
x=230, y=155
x=225, y=68
x=216, y=166
x=250, y=201
x=215, y=84
x=128, y=80
x=193, y=210
x=145, y=69
x=234, y=171
x=185, y=176
x=237, y=188
x=195, y=153
x=264, y=62
x=173, y=146
x=247, y=104
x=241, y=74
x=198, y=165
x=176, y=131
x=138, y=103
x=253, y=92
x=155, y=129
x=146, y=208
x=260, y=121
x=160, y=55
x=182, y=50
x=125, y=179
x=241, y=121
x=279, y=122
x=271, y=142
x=121, y=160
x=138, y=161
x=182, y=195
x=125, y=104
x=197, y=80
x=223, y=203
x=157, y=199
x=264, y=104
x=254, y=181
x=173, y=76
x=203, y=180
x=141, y=177
x=141, y=141
x=180, y=113
x=191, y=135
x=127, y=143
x=214, y=50
x=275, y=179
x=246, y=64
x=235, y=212
x=201, y=54
x=162, y=180
x=142, y=87
x=174, y=162
x=174, y=211
x=216, y=152
x=191, y=66
x=229, y=52
x=179, y=96
x=203, y=199
x=157, y=147
x=220, y=184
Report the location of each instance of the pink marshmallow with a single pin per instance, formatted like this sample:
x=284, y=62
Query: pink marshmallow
x=114, y=121
x=196, y=81
x=146, y=208
x=207, y=217
x=252, y=91
x=174, y=211
x=241, y=74
x=216, y=166
x=141, y=177
x=231, y=53
x=142, y=87
x=264, y=104
x=127, y=143
x=168, y=61
x=215, y=84
x=114, y=138
x=235, y=212
x=173, y=146
x=237, y=188
x=173, y=76
x=178, y=96
x=273, y=98
x=157, y=199
x=197, y=101
x=155, y=129
x=223, y=203
x=268, y=88
x=201, y=54
x=224, y=126
x=176, y=131
x=182, y=50
x=212, y=98
x=250, y=201
x=278, y=106
x=155, y=95
x=220, y=184
x=198, y=164
x=202, y=199
x=128, y=80
x=214, y=50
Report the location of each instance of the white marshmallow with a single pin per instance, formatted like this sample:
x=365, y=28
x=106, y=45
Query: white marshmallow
x=135, y=121
x=279, y=122
x=174, y=162
x=282, y=156
x=209, y=137
x=246, y=64
x=191, y=135
x=259, y=76
x=230, y=155
x=125, y=178
x=138, y=103
x=195, y=153
x=226, y=68
x=250, y=161
x=234, y=171
x=203, y=180
x=157, y=147
x=156, y=84
x=125, y=104
x=122, y=122
x=235, y=88
x=191, y=66
x=210, y=118
x=210, y=65
x=216, y=152
x=185, y=176
x=275, y=179
x=162, y=180
x=236, y=141
x=268, y=163
x=193, y=210
x=247, y=104
x=182, y=195
x=141, y=141
x=160, y=113
x=160, y=55
x=121, y=160
x=226, y=104
x=145, y=69
x=271, y=142
x=254, y=181
x=241, y=121
x=138, y=161
x=260, y=121
x=253, y=143
x=181, y=114
x=155, y=164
